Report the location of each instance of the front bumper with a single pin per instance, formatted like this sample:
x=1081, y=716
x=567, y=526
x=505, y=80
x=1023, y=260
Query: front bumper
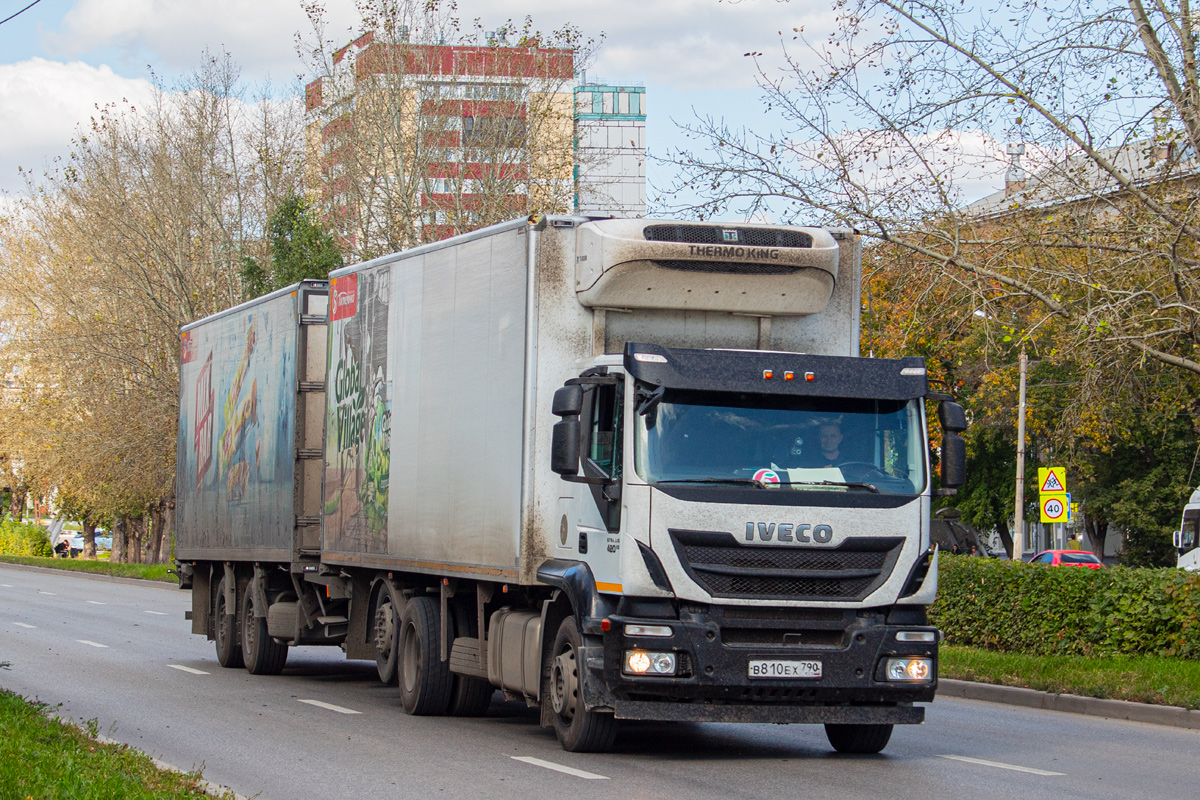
x=714, y=646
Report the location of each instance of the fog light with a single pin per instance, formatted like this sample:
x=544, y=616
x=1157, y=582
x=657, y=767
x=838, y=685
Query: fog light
x=640, y=662
x=648, y=630
x=912, y=670
x=916, y=636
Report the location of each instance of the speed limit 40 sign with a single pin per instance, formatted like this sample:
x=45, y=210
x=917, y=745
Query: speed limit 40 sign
x=1055, y=506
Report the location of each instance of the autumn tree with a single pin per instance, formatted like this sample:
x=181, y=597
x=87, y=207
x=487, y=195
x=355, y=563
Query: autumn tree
x=300, y=248
x=143, y=229
x=1088, y=256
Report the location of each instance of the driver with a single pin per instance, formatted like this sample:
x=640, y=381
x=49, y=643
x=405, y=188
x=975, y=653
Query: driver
x=829, y=437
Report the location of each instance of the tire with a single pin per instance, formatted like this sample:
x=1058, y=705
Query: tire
x=386, y=636
x=225, y=632
x=578, y=729
x=470, y=696
x=859, y=738
x=425, y=680
x=261, y=654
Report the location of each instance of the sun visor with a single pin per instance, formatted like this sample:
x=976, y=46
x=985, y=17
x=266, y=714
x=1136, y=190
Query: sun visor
x=738, y=268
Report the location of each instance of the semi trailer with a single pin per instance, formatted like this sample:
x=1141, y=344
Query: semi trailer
x=612, y=468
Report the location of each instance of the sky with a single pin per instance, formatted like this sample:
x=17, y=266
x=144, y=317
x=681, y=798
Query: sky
x=61, y=59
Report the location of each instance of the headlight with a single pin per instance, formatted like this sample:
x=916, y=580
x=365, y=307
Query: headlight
x=642, y=662
x=910, y=670
x=648, y=630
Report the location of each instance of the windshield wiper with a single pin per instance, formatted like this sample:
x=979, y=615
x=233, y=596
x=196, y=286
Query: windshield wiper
x=851, y=484
x=747, y=481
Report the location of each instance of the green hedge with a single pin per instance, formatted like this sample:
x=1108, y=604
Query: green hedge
x=21, y=539
x=1023, y=608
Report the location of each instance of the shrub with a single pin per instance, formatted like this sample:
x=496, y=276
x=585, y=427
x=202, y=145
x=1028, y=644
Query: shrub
x=1023, y=608
x=21, y=539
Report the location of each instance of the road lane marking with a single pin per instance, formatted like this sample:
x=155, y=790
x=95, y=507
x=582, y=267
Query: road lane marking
x=93, y=644
x=156, y=613
x=330, y=707
x=52, y=594
x=6, y=585
x=1000, y=765
x=182, y=668
x=578, y=773
x=97, y=603
x=23, y=625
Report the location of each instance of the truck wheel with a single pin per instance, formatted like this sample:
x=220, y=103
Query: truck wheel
x=262, y=654
x=229, y=651
x=386, y=638
x=579, y=730
x=860, y=738
x=425, y=680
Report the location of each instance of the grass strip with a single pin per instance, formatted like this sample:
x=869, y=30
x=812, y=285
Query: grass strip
x=149, y=572
x=45, y=757
x=1141, y=679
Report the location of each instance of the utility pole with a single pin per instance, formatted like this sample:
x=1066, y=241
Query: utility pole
x=1019, y=515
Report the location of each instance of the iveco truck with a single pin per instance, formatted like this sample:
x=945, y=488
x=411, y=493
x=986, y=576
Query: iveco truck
x=614, y=469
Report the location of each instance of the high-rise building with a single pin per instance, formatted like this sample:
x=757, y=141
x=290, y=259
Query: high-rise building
x=413, y=142
x=610, y=129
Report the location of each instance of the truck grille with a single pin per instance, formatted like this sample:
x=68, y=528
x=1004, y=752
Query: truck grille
x=726, y=568
x=728, y=235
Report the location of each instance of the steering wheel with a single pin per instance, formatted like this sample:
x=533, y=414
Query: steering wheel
x=860, y=467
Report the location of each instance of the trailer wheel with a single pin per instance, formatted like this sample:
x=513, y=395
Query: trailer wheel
x=225, y=630
x=425, y=680
x=860, y=738
x=261, y=654
x=579, y=730
x=386, y=637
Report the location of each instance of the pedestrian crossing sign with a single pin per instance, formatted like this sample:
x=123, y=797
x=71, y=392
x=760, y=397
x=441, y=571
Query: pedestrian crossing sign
x=1052, y=480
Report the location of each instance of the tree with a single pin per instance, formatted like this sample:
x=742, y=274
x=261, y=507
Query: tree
x=300, y=249
x=1089, y=255
x=143, y=229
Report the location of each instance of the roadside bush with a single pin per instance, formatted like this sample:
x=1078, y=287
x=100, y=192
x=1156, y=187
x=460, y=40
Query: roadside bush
x=1022, y=608
x=21, y=539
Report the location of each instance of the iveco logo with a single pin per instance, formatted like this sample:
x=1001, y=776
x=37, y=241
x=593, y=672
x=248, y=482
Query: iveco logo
x=729, y=235
x=787, y=532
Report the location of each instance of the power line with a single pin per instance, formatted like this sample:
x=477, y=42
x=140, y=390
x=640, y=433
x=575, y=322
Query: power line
x=19, y=13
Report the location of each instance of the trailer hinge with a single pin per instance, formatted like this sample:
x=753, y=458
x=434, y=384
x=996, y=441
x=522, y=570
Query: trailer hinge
x=313, y=319
x=310, y=453
x=305, y=521
x=312, y=386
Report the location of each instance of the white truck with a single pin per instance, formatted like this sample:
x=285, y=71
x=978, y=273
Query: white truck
x=615, y=469
x=1187, y=538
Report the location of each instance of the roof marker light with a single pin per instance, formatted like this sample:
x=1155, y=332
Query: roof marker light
x=650, y=358
x=768, y=374
x=808, y=376
x=913, y=371
x=787, y=376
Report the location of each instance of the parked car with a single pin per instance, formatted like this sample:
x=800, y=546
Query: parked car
x=1067, y=558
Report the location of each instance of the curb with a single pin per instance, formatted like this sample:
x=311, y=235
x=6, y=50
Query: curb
x=95, y=576
x=1174, y=716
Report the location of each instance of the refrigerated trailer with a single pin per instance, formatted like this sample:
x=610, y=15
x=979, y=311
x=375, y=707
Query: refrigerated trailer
x=614, y=469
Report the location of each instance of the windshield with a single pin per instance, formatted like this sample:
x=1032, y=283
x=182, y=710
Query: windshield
x=771, y=441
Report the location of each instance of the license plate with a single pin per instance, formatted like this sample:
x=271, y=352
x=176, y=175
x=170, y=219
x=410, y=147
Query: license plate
x=773, y=668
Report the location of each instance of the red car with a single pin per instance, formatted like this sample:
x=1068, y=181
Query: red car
x=1067, y=558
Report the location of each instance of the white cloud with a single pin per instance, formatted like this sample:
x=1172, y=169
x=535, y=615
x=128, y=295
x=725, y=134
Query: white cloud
x=667, y=44
x=43, y=103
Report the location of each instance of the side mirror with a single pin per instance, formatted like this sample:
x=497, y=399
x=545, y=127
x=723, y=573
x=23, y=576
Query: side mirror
x=1178, y=538
x=954, y=460
x=564, y=444
x=568, y=401
x=952, y=417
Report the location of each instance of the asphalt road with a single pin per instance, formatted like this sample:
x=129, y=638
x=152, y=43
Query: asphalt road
x=122, y=654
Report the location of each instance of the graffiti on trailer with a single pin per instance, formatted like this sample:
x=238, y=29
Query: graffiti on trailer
x=239, y=415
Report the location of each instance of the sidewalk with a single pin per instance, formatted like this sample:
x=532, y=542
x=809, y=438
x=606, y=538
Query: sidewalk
x=1070, y=703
